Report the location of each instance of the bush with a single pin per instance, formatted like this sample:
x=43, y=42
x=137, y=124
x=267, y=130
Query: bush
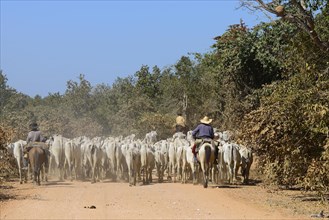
x=290, y=131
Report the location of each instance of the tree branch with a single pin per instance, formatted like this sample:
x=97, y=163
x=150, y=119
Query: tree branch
x=304, y=19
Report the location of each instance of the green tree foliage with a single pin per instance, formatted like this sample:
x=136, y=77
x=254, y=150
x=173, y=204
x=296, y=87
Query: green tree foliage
x=243, y=66
x=148, y=83
x=78, y=96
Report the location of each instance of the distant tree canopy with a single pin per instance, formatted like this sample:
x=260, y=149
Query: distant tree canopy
x=269, y=84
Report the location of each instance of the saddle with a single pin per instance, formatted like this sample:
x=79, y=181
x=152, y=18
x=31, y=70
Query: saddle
x=204, y=140
x=30, y=145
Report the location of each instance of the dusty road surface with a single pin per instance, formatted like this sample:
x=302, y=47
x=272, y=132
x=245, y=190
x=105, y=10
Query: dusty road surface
x=72, y=200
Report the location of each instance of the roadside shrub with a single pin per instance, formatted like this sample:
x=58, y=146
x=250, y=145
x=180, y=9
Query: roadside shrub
x=290, y=130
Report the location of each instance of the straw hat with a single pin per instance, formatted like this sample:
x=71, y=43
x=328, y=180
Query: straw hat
x=206, y=120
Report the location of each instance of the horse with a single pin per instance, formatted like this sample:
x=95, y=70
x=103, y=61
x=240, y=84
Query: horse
x=38, y=158
x=206, y=157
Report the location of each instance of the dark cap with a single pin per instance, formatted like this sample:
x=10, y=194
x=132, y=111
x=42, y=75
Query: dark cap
x=34, y=125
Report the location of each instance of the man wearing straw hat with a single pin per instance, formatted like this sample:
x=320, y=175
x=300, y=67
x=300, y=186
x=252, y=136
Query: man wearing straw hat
x=203, y=131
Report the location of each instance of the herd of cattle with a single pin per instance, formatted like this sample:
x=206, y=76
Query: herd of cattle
x=132, y=160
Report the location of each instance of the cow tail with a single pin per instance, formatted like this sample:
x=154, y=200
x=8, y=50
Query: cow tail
x=93, y=149
x=232, y=152
x=248, y=160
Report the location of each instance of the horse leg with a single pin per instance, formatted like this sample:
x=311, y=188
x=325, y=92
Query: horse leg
x=204, y=176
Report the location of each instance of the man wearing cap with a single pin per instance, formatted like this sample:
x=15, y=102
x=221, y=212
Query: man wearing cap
x=33, y=136
x=203, y=131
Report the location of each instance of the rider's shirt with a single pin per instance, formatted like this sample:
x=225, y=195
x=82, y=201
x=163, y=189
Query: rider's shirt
x=34, y=136
x=203, y=131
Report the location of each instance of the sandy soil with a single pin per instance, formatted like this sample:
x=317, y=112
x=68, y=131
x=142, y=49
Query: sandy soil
x=72, y=200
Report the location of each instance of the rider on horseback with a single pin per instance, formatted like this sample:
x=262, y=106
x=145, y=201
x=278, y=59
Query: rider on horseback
x=33, y=136
x=180, y=125
x=204, y=132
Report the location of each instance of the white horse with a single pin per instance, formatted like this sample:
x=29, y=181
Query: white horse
x=206, y=157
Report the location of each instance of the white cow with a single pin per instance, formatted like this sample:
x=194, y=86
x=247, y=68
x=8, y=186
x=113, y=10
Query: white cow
x=191, y=164
x=93, y=155
x=246, y=161
x=111, y=146
x=179, y=147
x=232, y=160
x=121, y=164
x=161, y=158
x=57, y=154
x=151, y=137
x=172, y=160
x=150, y=163
x=77, y=156
x=16, y=149
x=88, y=148
x=144, y=161
x=132, y=156
x=187, y=158
x=221, y=166
x=70, y=149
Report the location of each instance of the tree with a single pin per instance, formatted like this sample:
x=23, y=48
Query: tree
x=302, y=13
x=78, y=96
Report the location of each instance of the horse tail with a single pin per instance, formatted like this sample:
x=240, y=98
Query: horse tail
x=36, y=162
x=208, y=152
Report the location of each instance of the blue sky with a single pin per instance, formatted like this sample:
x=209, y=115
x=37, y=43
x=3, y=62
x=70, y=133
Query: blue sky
x=44, y=44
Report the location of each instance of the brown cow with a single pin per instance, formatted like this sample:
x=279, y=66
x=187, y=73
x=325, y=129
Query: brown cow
x=38, y=160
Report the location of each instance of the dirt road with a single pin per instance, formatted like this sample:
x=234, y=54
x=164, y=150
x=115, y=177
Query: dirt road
x=70, y=200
